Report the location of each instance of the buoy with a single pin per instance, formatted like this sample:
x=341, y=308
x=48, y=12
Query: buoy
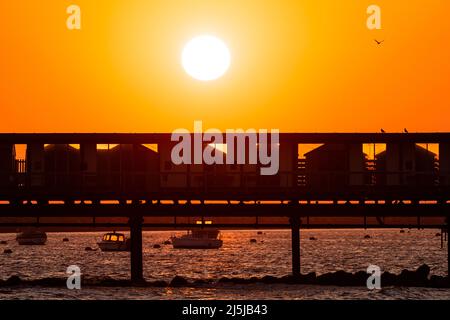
x=156, y=246
x=65, y=239
x=7, y=251
x=252, y=240
x=366, y=236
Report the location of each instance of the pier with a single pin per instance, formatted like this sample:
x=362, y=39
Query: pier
x=84, y=180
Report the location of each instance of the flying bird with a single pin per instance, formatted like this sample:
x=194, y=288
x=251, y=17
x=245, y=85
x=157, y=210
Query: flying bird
x=382, y=131
x=378, y=42
x=405, y=131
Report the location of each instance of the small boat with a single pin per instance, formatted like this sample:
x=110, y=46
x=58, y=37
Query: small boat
x=31, y=237
x=113, y=241
x=207, y=238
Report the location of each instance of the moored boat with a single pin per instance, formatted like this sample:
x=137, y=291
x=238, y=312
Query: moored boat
x=113, y=241
x=207, y=238
x=31, y=237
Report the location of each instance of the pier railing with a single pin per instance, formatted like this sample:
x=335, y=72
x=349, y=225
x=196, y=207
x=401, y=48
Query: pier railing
x=420, y=185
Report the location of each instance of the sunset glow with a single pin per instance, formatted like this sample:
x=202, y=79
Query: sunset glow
x=206, y=58
x=297, y=66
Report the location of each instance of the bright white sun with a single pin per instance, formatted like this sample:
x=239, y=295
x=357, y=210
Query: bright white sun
x=206, y=58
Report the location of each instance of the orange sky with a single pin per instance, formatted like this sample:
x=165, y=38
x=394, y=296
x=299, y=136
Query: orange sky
x=296, y=66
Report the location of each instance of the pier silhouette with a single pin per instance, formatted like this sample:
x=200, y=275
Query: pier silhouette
x=99, y=177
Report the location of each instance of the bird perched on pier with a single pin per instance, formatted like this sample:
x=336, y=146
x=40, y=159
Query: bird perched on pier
x=382, y=131
x=405, y=131
x=378, y=42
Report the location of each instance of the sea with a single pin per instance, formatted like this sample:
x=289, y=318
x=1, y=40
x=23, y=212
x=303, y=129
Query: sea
x=336, y=249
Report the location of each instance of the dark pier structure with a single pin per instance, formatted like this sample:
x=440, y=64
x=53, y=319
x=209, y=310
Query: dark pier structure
x=343, y=181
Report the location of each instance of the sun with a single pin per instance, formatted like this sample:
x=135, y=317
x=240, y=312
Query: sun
x=206, y=58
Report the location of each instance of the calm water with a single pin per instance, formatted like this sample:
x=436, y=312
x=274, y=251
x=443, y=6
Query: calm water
x=334, y=250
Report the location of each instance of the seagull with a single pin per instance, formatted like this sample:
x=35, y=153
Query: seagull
x=382, y=131
x=378, y=42
x=405, y=131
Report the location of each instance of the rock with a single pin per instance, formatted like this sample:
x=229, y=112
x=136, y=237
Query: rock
x=159, y=283
x=402, y=231
x=167, y=242
x=259, y=232
x=366, y=236
x=200, y=281
x=288, y=279
x=7, y=251
x=404, y=278
x=252, y=240
x=65, y=239
x=312, y=238
x=438, y=234
x=342, y=278
x=3, y=242
x=324, y=279
x=269, y=279
x=88, y=249
x=423, y=271
x=13, y=281
x=309, y=278
x=360, y=278
x=156, y=246
x=96, y=281
x=50, y=282
x=110, y=282
x=388, y=279
x=238, y=280
x=178, y=281
x=416, y=278
x=438, y=282
x=338, y=278
x=224, y=279
x=419, y=277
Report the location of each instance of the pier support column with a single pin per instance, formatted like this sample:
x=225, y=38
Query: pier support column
x=448, y=250
x=295, y=227
x=136, y=249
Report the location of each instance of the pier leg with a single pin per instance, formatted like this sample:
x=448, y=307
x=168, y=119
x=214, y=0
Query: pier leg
x=295, y=226
x=448, y=251
x=136, y=250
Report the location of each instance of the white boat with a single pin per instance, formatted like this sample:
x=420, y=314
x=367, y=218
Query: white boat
x=113, y=241
x=31, y=237
x=198, y=239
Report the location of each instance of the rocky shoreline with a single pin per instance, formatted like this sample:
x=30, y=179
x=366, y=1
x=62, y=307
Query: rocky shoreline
x=407, y=278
